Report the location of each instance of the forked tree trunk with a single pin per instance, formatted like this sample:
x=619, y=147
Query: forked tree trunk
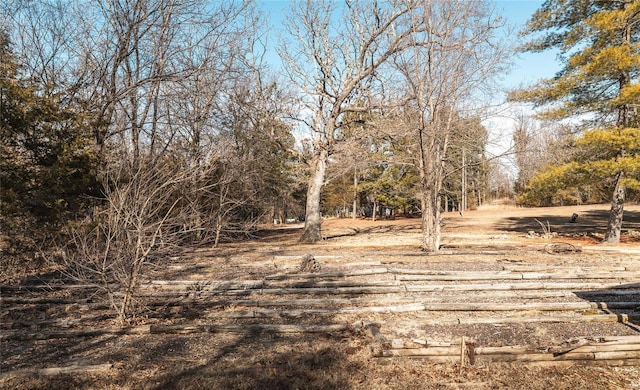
x=615, y=215
x=313, y=220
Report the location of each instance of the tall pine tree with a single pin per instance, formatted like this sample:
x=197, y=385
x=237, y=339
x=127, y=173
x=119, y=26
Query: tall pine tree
x=598, y=43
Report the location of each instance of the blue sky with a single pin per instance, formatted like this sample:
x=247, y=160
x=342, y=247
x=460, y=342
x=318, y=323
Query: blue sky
x=527, y=67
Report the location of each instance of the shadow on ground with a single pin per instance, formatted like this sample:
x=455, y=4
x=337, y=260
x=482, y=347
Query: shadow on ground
x=623, y=301
x=268, y=361
x=588, y=222
x=208, y=361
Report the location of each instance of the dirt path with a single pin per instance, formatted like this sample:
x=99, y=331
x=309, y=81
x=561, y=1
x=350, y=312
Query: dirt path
x=495, y=309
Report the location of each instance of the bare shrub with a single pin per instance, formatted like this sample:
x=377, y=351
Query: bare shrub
x=140, y=215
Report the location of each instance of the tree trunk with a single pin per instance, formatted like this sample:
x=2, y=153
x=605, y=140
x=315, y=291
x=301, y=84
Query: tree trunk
x=615, y=215
x=313, y=219
x=355, y=193
x=431, y=222
x=463, y=185
x=374, y=210
x=617, y=199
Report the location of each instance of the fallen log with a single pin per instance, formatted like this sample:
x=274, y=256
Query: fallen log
x=59, y=334
x=523, y=286
x=174, y=329
x=517, y=294
x=333, y=283
x=40, y=301
x=593, y=344
x=319, y=290
x=547, y=268
x=332, y=274
x=305, y=312
x=327, y=301
x=572, y=363
x=246, y=328
x=203, y=284
x=518, y=353
x=414, y=306
x=612, y=291
x=73, y=369
x=457, y=277
x=541, y=306
x=621, y=318
x=414, y=275
x=383, y=289
x=61, y=323
x=627, y=275
x=365, y=288
x=48, y=287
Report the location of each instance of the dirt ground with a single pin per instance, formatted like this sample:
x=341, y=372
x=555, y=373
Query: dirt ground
x=244, y=316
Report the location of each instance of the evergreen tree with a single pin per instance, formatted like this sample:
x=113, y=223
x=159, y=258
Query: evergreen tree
x=46, y=163
x=598, y=42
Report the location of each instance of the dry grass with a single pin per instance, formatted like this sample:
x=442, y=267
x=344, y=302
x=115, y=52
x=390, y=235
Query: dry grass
x=488, y=239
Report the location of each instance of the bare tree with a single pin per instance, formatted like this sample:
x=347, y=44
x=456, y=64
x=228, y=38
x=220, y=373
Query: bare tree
x=157, y=81
x=336, y=59
x=446, y=71
x=525, y=148
x=538, y=144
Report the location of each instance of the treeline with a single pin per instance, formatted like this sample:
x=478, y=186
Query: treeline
x=134, y=123
x=131, y=127
x=558, y=167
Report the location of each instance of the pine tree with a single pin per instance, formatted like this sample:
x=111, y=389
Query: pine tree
x=599, y=45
